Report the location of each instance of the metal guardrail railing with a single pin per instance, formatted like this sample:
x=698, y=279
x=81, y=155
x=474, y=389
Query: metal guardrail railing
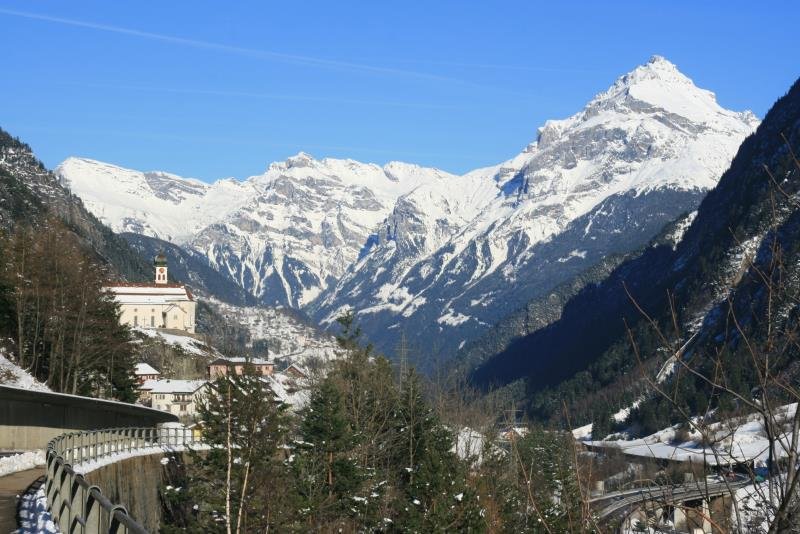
x=78, y=507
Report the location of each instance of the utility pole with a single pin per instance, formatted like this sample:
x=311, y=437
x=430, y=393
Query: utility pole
x=402, y=356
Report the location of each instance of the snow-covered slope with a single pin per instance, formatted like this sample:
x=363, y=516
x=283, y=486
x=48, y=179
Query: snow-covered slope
x=156, y=204
x=430, y=253
x=602, y=181
x=14, y=376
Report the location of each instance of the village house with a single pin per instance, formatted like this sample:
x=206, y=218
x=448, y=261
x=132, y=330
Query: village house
x=144, y=372
x=179, y=397
x=295, y=371
x=158, y=304
x=222, y=366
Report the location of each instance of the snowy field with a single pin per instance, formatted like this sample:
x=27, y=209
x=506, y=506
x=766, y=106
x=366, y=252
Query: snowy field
x=734, y=441
x=188, y=344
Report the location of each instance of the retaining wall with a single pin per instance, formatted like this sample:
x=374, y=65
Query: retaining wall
x=135, y=484
x=29, y=419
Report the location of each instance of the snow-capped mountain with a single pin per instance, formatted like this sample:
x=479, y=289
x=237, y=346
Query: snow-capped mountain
x=602, y=181
x=283, y=235
x=436, y=255
x=156, y=204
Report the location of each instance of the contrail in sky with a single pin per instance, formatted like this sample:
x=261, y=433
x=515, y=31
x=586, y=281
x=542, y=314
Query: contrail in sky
x=244, y=51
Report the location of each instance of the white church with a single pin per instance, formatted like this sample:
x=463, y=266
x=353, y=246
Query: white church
x=158, y=304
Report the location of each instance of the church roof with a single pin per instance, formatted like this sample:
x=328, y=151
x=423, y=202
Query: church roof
x=150, y=293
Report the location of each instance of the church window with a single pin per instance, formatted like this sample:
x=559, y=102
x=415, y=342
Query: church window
x=152, y=320
x=135, y=320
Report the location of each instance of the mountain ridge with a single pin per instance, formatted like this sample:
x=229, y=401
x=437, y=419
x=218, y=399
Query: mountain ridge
x=440, y=252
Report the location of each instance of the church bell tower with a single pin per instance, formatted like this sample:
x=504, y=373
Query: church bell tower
x=160, y=264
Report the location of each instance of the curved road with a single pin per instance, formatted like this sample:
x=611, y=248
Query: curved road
x=625, y=501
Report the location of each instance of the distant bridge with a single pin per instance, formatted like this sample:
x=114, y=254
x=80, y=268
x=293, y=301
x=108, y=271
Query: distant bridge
x=672, y=502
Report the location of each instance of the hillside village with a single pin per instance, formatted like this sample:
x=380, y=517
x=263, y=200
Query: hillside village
x=167, y=311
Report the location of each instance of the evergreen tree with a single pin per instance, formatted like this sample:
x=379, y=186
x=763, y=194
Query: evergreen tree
x=433, y=491
x=239, y=485
x=326, y=472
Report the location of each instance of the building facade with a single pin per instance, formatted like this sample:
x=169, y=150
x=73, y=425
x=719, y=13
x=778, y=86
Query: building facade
x=158, y=304
x=179, y=397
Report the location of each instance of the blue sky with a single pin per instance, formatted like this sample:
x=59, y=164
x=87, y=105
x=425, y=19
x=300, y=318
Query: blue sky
x=211, y=90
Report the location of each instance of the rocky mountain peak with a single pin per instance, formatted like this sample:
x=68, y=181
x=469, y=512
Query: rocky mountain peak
x=299, y=160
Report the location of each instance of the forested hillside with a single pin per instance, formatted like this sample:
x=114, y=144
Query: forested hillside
x=55, y=318
x=29, y=191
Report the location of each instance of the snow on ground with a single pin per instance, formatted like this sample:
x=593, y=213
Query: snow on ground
x=13, y=375
x=186, y=343
x=623, y=413
x=93, y=465
x=735, y=441
x=33, y=514
x=583, y=432
x=468, y=444
x=21, y=462
x=755, y=509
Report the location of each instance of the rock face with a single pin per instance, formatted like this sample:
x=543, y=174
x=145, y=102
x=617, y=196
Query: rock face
x=439, y=256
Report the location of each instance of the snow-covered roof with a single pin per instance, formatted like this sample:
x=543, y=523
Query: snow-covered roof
x=297, y=367
x=286, y=389
x=145, y=369
x=150, y=293
x=172, y=386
